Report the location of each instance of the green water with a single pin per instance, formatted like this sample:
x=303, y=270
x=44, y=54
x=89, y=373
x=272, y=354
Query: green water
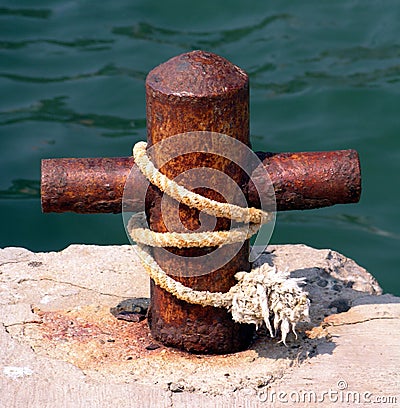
x=324, y=76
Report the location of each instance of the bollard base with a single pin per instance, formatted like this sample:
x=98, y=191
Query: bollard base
x=206, y=330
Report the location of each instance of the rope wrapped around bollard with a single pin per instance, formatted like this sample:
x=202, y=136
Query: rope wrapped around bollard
x=259, y=294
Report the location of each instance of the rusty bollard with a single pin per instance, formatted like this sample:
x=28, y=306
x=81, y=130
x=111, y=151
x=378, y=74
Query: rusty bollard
x=194, y=92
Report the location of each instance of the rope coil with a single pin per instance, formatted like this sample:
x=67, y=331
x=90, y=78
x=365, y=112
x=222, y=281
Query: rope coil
x=257, y=296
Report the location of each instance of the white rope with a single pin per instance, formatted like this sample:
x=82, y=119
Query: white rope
x=193, y=200
x=257, y=296
x=139, y=233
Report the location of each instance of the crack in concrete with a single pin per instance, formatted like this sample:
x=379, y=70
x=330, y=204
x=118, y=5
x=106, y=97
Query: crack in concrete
x=81, y=287
x=334, y=324
x=13, y=338
x=69, y=284
x=6, y=326
x=11, y=262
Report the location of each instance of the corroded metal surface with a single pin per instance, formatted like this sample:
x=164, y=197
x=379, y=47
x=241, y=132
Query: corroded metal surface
x=308, y=180
x=86, y=185
x=301, y=181
x=194, y=92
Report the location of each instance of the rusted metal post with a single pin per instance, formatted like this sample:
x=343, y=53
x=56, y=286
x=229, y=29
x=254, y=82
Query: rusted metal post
x=198, y=91
x=193, y=92
x=301, y=181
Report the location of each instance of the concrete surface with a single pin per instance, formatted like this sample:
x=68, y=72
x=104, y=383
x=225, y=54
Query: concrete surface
x=61, y=347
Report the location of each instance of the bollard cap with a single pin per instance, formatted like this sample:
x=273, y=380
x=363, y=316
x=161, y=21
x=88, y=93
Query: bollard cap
x=197, y=74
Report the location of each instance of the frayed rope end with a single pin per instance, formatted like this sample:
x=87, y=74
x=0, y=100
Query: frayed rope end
x=264, y=293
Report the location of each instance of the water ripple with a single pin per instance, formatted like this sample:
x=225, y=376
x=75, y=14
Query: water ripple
x=356, y=222
x=22, y=189
x=194, y=40
x=83, y=44
x=359, y=53
x=366, y=224
x=22, y=12
x=108, y=70
x=320, y=79
x=55, y=110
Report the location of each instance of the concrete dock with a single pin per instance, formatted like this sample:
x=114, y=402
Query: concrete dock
x=61, y=346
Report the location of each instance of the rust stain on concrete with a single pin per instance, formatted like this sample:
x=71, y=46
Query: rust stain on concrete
x=90, y=336
x=93, y=340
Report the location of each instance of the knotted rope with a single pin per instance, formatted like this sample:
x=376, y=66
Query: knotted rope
x=257, y=296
